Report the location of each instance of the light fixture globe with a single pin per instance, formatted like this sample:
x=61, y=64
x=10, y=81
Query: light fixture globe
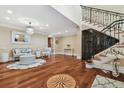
x=29, y=29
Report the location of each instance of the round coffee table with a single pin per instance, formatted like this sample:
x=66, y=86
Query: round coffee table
x=61, y=81
x=27, y=59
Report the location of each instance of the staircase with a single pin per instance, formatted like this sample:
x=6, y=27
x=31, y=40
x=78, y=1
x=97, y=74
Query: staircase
x=95, y=42
x=99, y=17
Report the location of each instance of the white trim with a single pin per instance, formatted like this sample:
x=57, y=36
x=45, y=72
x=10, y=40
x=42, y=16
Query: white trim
x=58, y=53
x=10, y=26
x=65, y=53
x=91, y=26
x=14, y=33
x=78, y=57
x=19, y=28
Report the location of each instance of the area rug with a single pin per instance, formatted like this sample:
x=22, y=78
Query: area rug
x=17, y=65
x=104, y=82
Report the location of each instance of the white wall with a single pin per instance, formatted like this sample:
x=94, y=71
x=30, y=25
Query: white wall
x=37, y=40
x=62, y=44
x=72, y=12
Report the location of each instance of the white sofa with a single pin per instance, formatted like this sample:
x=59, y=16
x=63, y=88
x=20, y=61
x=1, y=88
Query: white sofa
x=17, y=52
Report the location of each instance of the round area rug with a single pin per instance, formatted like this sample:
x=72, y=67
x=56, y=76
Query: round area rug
x=17, y=65
x=61, y=81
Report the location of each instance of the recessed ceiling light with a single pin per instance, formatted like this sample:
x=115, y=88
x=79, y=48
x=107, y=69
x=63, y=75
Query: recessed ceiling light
x=7, y=18
x=26, y=20
x=66, y=30
x=47, y=25
x=9, y=11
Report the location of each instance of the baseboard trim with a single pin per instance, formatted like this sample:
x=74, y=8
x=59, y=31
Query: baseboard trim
x=58, y=53
x=65, y=54
x=78, y=57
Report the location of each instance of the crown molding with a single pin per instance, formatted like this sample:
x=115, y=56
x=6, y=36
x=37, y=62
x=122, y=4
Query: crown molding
x=10, y=26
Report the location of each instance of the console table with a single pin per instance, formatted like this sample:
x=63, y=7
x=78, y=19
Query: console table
x=71, y=51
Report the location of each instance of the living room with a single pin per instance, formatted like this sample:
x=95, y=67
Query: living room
x=13, y=25
x=35, y=44
x=76, y=46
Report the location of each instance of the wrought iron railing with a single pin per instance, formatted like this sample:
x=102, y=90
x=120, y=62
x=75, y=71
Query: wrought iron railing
x=99, y=16
x=109, y=36
x=115, y=29
x=106, y=38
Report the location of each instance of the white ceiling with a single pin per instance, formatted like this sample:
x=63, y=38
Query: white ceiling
x=40, y=16
x=73, y=12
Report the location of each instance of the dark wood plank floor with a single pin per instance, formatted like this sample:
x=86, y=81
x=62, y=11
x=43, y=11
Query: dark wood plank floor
x=59, y=64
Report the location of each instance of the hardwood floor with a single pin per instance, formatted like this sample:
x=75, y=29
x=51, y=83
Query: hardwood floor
x=37, y=77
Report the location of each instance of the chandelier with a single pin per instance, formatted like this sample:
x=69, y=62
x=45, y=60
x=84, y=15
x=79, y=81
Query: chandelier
x=29, y=29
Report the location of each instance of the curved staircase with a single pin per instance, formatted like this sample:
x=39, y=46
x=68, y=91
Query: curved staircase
x=105, y=33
